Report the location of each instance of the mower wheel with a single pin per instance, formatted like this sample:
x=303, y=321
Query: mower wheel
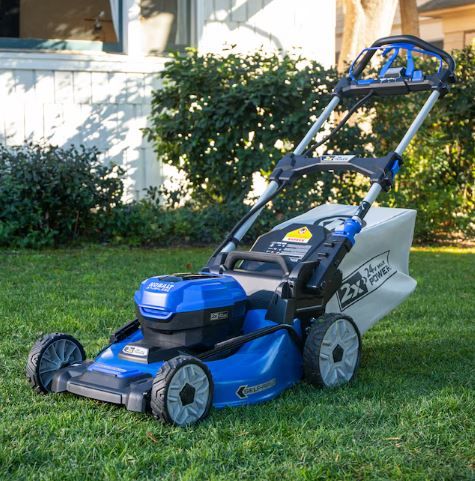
x=332, y=351
x=182, y=391
x=49, y=354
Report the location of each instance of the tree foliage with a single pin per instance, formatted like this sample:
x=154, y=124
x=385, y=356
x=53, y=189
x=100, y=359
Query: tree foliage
x=438, y=177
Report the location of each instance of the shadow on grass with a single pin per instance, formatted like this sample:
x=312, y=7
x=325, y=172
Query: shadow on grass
x=392, y=375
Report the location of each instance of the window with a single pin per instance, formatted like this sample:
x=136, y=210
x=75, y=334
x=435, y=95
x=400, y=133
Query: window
x=61, y=24
x=166, y=25
x=437, y=43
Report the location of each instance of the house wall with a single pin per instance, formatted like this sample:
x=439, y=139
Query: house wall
x=304, y=25
x=94, y=101
x=103, y=100
x=430, y=29
x=459, y=27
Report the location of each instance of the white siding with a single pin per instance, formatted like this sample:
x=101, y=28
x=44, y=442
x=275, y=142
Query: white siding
x=62, y=100
x=103, y=100
x=307, y=26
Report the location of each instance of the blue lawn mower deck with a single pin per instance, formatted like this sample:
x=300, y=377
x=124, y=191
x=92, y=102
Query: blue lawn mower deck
x=253, y=323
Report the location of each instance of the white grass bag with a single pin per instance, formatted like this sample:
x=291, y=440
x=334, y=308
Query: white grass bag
x=376, y=271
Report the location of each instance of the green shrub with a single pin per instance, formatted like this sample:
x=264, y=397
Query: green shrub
x=148, y=223
x=438, y=177
x=222, y=119
x=50, y=195
x=217, y=119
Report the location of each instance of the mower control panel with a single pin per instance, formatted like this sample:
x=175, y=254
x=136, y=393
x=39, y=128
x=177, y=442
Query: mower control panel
x=296, y=242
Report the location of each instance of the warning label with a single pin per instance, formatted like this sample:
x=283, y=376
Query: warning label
x=295, y=252
x=301, y=235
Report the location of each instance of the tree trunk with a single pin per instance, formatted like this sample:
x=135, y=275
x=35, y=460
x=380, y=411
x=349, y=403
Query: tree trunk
x=379, y=18
x=353, y=32
x=364, y=22
x=409, y=17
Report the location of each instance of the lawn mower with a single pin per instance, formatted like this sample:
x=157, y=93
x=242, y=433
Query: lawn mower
x=251, y=324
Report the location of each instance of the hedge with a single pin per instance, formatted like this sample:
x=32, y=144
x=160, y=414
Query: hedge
x=51, y=196
x=222, y=120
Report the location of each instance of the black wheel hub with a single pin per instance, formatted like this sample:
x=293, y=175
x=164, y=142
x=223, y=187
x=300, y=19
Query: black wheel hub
x=337, y=353
x=187, y=394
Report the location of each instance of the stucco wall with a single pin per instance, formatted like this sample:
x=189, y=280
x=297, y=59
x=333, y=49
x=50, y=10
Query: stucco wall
x=457, y=27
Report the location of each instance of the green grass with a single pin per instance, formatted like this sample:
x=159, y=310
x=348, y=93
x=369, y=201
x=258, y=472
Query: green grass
x=409, y=415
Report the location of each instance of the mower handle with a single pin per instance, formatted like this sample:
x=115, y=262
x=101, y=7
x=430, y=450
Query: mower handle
x=410, y=39
x=234, y=256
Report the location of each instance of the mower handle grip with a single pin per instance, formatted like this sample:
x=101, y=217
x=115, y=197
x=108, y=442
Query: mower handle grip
x=411, y=39
x=234, y=256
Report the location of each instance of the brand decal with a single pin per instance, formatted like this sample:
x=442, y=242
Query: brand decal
x=337, y=158
x=135, y=350
x=244, y=391
x=160, y=286
x=364, y=280
x=301, y=235
x=219, y=316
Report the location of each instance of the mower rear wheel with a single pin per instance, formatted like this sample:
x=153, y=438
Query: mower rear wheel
x=182, y=391
x=49, y=354
x=332, y=351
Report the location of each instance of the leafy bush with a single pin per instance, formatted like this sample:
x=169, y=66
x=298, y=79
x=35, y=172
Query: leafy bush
x=438, y=177
x=146, y=223
x=50, y=195
x=222, y=119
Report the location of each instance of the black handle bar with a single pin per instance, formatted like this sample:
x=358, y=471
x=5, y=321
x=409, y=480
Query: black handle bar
x=411, y=39
x=235, y=256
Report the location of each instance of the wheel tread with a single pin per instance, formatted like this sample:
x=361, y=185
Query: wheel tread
x=32, y=365
x=158, y=395
x=313, y=343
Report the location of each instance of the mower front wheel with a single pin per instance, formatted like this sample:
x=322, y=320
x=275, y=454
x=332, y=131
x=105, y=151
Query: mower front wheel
x=332, y=351
x=182, y=391
x=49, y=354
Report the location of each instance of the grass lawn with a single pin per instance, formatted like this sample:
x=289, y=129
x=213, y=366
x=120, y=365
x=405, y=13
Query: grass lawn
x=409, y=415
